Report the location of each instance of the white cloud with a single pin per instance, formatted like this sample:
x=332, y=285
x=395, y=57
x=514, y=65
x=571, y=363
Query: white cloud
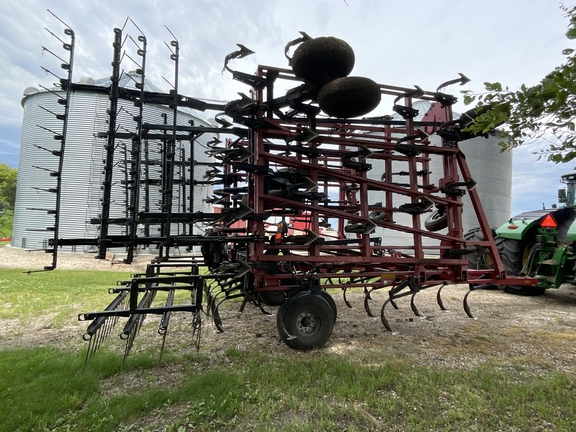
x=535, y=182
x=417, y=42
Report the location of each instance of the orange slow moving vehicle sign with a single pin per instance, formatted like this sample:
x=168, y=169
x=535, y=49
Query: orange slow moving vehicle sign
x=549, y=222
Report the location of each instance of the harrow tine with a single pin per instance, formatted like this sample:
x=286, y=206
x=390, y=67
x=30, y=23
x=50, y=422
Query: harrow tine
x=244, y=302
x=196, y=329
x=217, y=317
x=102, y=327
x=210, y=300
x=212, y=312
x=217, y=320
x=396, y=293
x=439, y=297
x=165, y=321
x=93, y=346
x=134, y=323
x=258, y=302
x=130, y=340
x=465, y=301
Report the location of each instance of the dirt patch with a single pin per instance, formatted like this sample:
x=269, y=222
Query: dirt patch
x=522, y=333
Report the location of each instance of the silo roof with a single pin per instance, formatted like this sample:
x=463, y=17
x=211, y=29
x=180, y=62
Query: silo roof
x=128, y=80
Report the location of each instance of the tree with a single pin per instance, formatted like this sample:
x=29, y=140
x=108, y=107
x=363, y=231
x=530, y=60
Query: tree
x=8, y=177
x=541, y=111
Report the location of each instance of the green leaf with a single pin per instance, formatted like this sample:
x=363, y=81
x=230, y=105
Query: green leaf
x=469, y=99
x=571, y=33
x=497, y=87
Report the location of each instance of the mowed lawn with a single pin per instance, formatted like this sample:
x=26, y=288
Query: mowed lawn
x=47, y=387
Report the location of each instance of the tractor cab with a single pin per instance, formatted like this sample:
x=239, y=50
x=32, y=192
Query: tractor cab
x=568, y=196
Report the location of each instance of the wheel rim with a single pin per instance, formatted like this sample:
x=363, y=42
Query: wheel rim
x=305, y=321
x=308, y=323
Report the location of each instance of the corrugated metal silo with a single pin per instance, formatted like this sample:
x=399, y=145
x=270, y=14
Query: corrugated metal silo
x=491, y=169
x=84, y=156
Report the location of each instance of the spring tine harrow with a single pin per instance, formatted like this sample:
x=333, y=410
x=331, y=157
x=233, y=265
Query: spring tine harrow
x=102, y=326
x=466, y=305
x=216, y=313
x=256, y=301
x=132, y=327
x=383, y=316
x=394, y=304
x=260, y=305
x=397, y=292
x=296, y=162
x=196, y=329
x=165, y=321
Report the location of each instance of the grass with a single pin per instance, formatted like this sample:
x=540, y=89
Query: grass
x=48, y=389
x=6, y=223
x=58, y=293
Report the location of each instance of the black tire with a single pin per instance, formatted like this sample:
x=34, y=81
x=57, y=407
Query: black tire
x=331, y=302
x=513, y=254
x=272, y=298
x=437, y=221
x=305, y=321
x=477, y=260
x=214, y=253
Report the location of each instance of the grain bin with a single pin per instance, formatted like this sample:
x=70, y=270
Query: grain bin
x=491, y=169
x=83, y=162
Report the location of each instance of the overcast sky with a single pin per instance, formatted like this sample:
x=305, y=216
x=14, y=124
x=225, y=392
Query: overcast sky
x=403, y=43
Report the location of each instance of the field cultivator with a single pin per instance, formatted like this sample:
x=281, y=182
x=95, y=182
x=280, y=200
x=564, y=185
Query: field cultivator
x=304, y=192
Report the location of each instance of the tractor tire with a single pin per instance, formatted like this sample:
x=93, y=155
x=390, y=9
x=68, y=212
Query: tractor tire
x=305, y=321
x=512, y=253
x=478, y=261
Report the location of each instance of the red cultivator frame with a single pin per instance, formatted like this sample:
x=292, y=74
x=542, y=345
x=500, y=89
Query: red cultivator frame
x=316, y=170
x=285, y=177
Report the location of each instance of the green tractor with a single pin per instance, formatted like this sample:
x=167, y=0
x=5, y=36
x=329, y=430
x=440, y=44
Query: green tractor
x=539, y=244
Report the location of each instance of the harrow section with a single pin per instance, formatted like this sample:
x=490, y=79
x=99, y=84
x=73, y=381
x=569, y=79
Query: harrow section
x=302, y=201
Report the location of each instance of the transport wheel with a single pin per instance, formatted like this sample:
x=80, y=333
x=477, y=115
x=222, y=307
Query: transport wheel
x=330, y=301
x=305, y=321
x=437, y=221
x=272, y=298
x=514, y=255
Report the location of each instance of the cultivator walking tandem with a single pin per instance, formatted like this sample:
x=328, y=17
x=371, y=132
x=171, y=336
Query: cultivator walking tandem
x=304, y=190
